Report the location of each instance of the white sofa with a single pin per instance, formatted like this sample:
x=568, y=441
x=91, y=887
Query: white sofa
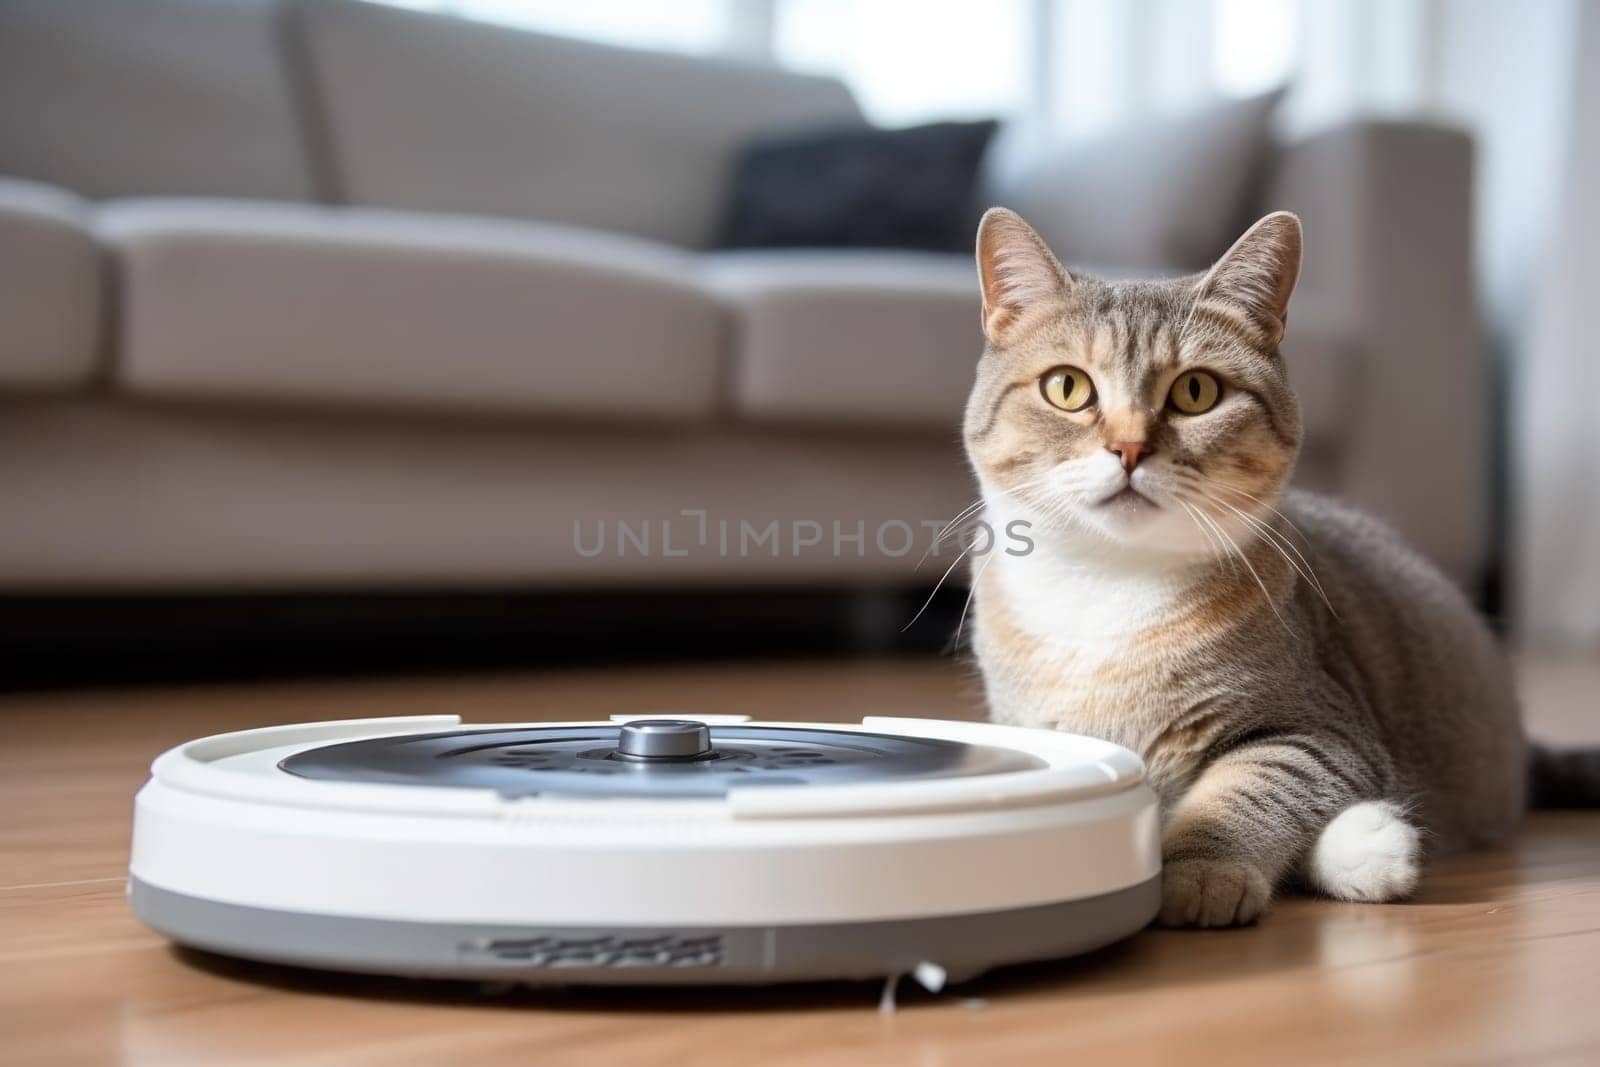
x=329, y=295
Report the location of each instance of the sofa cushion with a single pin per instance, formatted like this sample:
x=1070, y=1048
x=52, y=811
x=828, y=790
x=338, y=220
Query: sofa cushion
x=912, y=188
x=892, y=338
x=166, y=498
x=1324, y=362
x=322, y=305
x=50, y=289
x=1165, y=195
x=866, y=336
x=438, y=113
x=111, y=98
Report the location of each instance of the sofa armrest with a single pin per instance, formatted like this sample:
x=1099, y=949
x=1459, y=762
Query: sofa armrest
x=51, y=289
x=1387, y=208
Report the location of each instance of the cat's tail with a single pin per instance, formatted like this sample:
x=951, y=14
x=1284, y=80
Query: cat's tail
x=1563, y=777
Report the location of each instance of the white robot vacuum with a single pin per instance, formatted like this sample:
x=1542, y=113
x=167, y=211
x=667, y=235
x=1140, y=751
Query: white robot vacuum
x=692, y=849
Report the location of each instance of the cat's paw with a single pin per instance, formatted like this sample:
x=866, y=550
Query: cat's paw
x=1203, y=892
x=1369, y=852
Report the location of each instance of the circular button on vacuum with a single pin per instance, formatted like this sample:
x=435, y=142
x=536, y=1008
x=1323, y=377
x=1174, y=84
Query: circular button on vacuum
x=664, y=739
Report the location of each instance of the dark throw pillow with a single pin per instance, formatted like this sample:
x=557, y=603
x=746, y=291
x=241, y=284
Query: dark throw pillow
x=860, y=188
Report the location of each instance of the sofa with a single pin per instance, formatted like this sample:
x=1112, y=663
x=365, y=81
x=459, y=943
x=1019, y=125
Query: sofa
x=328, y=295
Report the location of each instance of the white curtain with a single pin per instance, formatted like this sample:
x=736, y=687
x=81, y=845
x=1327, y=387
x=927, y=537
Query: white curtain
x=1557, y=381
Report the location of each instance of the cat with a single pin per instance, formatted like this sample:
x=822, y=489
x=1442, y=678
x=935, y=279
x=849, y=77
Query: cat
x=1314, y=702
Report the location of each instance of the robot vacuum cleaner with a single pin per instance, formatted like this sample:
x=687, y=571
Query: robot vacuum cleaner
x=692, y=849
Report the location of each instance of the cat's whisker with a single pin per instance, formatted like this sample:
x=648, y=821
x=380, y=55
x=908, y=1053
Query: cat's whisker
x=970, y=511
x=1202, y=487
x=1210, y=541
x=1217, y=526
x=1216, y=546
x=1208, y=526
x=1270, y=537
x=971, y=592
x=1273, y=537
x=960, y=529
x=1261, y=503
x=961, y=516
x=937, y=586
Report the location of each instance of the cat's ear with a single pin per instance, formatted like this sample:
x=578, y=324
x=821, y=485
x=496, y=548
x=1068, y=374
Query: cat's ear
x=1017, y=271
x=1258, y=274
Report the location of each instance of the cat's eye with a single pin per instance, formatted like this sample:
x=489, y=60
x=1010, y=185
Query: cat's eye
x=1195, y=392
x=1068, y=388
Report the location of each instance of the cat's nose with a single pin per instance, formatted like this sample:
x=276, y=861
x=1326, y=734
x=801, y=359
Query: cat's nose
x=1129, y=452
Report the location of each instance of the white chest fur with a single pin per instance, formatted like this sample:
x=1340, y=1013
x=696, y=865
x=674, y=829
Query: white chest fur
x=1068, y=653
x=1080, y=595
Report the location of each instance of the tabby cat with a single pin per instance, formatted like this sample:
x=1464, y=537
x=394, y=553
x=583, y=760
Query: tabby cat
x=1315, y=703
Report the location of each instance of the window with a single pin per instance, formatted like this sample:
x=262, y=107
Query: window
x=1252, y=44
x=1064, y=67
x=914, y=60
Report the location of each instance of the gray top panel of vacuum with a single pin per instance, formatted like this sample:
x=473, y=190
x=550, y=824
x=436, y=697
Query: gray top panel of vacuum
x=649, y=758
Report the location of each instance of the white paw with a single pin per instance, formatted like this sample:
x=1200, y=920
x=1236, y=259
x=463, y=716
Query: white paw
x=1369, y=852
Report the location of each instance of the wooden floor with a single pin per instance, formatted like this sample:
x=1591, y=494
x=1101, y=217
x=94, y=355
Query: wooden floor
x=1497, y=961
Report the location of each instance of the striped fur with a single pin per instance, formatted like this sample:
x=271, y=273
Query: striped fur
x=1315, y=703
